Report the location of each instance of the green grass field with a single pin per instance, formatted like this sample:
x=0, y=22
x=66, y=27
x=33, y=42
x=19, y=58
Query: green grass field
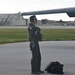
x=13, y=35
x=20, y=35
x=58, y=34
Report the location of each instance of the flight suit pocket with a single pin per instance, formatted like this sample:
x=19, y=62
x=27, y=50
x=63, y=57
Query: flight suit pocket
x=32, y=46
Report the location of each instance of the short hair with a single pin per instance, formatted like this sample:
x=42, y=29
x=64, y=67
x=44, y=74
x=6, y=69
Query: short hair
x=32, y=18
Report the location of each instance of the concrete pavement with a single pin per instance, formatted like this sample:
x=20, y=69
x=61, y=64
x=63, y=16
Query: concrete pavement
x=15, y=57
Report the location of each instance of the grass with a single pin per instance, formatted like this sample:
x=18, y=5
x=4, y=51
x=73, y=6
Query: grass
x=58, y=34
x=13, y=35
x=20, y=35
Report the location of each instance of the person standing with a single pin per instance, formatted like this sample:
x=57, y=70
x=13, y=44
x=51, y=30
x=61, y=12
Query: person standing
x=34, y=37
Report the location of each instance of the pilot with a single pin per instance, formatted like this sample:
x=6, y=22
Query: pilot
x=34, y=37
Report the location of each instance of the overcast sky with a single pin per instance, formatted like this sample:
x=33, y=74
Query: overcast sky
x=14, y=6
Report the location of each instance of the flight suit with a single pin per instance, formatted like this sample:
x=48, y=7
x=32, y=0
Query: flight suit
x=34, y=38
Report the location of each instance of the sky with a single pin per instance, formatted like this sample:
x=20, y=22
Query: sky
x=15, y=6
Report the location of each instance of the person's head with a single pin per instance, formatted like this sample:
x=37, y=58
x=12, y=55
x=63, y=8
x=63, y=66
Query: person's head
x=33, y=19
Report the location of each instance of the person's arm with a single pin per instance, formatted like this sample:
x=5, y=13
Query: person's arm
x=38, y=34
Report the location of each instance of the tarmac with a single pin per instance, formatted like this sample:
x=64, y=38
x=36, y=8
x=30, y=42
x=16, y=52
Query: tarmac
x=15, y=58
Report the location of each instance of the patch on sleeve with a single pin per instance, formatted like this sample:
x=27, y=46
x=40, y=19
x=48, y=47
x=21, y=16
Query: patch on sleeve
x=30, y=27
